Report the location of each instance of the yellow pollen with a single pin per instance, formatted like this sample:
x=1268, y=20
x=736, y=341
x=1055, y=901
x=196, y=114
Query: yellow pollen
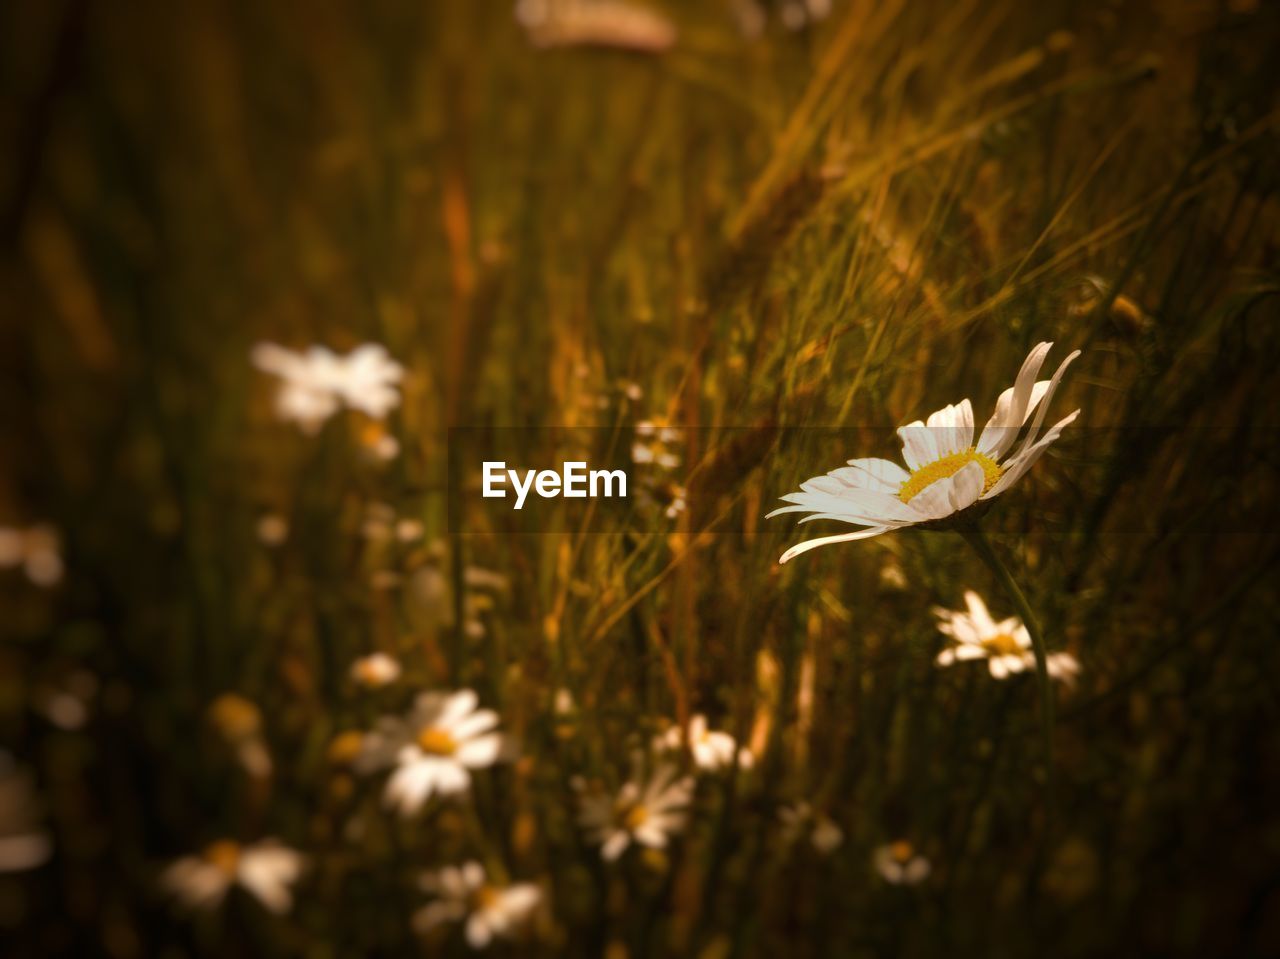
x=901, y=850
x=224, y=854
x=635, y=817
x=484, y=898
x=345, y=747
x=1002, y=645
x=949, y=465
x=437, y=742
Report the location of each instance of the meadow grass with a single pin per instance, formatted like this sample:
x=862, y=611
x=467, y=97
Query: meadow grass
x=779, y=245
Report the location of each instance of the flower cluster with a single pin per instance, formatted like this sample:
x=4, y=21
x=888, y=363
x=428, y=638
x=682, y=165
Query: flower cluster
x=427, y=757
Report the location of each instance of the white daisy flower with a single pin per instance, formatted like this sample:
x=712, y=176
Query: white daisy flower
x=948, y=474
x=491, y=912
x=239, y=722
x=315, y=384
x=711, y=749
x=801, y=821
x=24, y=844
x=272, y=529
x=36, y=549
x=375, y=670
x=899, y=863
x=266, y=870
x=433, y=749
x=595, y=23
x=648, y=814
x=1006, y=645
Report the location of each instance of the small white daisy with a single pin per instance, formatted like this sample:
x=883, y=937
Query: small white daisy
x=899, y=863
x=949, y=473
x=490, y=912
x=1006, y=645
x=433, y=749
x=239, y=722
x=36, y=549
x=595, y=23
x=272, y=529
x=375, y=670
x=801, y=821
x=24, y=843
x=711, y=749
x=647, y=814
x=265, y=869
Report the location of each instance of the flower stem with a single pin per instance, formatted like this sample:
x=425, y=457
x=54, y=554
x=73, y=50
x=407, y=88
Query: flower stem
x=982, y=546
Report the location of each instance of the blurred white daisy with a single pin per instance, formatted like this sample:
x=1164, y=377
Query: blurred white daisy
x=711, y=749
x=1006, y=645
x=316, y=383
x=433, y=749
x=272, y=529
x=266, y=870
x=655, y=445
x=24, y=844
x=801, y=821
x=239, y=722
x=67, y=703
x=36, y=549
x=601, y=23
x=899, y=863
x=678, y=502
x=645, y=813
x=490, y=911
x=375, y=670
x=948, y=474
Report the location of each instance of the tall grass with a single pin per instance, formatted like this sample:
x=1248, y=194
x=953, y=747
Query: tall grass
x=847, y=226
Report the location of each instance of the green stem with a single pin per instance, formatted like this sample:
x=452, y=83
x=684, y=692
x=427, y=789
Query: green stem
x=982, y=546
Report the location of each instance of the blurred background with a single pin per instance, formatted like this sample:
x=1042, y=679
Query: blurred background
x=704, y=230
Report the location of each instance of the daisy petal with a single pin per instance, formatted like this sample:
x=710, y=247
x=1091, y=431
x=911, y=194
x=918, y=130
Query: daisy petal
x=1011, y=408
x=966, y=486
x=882, y=474
x=480, y=752
x=804, y=547
x=1048, y=398
x=1026, y=458
x=918, y=446
x=615, y=845
x=934, y=501
x=979, y=614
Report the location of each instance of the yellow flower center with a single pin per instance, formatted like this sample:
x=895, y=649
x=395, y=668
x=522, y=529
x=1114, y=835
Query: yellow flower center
x=1002, y=645
x=345, y=747
x=437, y=742
x=635, y=817
x=901, y=850
x=235, y=716
x=369, y=672
x=224, y=855
x=484, y=898
x=949, y=465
